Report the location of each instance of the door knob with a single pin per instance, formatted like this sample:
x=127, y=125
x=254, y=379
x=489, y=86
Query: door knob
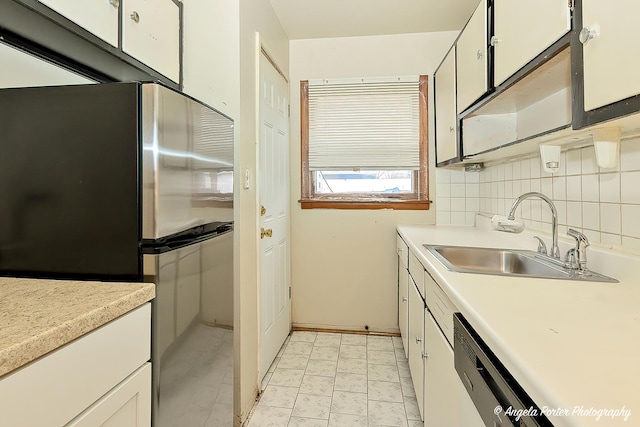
x=135, y=17
x=268, y=232
x=114, y=3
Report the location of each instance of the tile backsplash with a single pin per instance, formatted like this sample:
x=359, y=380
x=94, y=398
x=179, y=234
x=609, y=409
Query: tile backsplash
x=602, y=203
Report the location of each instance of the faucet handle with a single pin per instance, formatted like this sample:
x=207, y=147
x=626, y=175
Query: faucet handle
x=579, y=252
x=542, y=248
x=580, y=238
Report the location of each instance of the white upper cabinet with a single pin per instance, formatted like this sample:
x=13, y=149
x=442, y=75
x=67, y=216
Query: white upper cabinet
x=446, y=118
x=471, y=59
x=212, y=26
x=523, y=29
x=99, y=17
x=610, y=51
x=151, y=34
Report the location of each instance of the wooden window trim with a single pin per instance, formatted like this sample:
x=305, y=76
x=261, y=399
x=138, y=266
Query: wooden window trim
x=417, y=200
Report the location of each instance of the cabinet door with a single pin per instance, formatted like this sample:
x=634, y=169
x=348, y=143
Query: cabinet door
x=210, y=57
x=441, y=391
x=523, y=29
x=446, y=119
x=126, y=405
x=611, y=59
x=403, y=305
x=471, y=59
x=416, y=343
x=151, y=34
x=99, y=17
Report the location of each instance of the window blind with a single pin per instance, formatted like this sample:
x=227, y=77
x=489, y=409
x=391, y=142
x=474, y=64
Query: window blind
x=364, y=124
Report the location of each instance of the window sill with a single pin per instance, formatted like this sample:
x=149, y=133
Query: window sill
x=365, y=204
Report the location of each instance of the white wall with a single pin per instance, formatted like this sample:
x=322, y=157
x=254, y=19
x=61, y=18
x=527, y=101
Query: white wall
x=257, y=19
x=343, y=262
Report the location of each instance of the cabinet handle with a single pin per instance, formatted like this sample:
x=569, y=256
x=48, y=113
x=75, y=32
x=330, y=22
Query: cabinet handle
x=135, y=17
x=495, y=40
x=418, y=340
x=424, y=355
x=589, y=33
x=479, y=54
x=114, y=3
x=404, y=299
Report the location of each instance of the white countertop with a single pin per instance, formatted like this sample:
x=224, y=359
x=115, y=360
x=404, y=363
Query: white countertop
x=569, y=344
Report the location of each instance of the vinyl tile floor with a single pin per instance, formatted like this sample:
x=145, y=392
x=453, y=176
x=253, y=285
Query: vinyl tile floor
x=338, y=380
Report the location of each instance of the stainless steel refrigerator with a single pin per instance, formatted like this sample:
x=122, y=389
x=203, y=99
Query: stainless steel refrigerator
x=130, y=182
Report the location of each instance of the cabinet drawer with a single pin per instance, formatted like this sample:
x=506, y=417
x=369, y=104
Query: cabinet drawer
x=417, y=273
x=67, y=381
x=403, y=251
x=440, y=306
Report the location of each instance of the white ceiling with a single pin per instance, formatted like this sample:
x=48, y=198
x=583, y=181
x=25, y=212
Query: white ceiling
x=305, y=19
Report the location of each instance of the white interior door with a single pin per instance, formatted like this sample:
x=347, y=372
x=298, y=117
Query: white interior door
x=275, y=303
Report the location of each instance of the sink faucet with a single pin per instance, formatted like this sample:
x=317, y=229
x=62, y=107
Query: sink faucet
x=577, y=257
x=554, y=251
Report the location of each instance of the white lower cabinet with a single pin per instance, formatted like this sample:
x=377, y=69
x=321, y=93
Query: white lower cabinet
x=416, y=344
x=101, y=379
x=403, y=306
x=441, y=383
x=126, y=405
x=428, y=340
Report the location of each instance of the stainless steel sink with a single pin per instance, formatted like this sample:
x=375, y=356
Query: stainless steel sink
x=506, y=262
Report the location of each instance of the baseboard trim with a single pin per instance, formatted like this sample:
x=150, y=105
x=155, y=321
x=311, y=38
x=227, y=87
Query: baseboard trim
x=344, y=331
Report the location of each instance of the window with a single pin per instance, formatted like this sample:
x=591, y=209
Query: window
x=364, y=143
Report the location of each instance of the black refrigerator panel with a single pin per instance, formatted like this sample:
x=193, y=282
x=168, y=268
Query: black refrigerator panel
x=69, y=187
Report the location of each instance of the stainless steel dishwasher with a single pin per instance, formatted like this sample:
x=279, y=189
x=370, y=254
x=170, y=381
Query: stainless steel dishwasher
x=497, y=396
